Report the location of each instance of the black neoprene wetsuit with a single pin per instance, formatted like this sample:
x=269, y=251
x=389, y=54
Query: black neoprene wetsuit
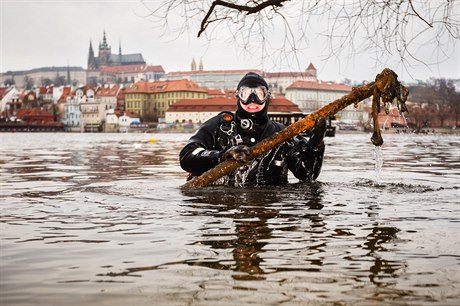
x=206, y=147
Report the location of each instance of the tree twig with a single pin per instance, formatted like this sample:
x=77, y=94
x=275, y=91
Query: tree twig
x=241, y=8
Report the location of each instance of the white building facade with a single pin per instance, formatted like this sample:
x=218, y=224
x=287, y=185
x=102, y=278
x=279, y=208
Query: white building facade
x=212, y=79
x=90, y=112
x=311, y=96
x=279, y=81
x=72, y=112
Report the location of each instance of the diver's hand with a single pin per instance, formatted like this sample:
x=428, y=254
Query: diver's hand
x=240, y=153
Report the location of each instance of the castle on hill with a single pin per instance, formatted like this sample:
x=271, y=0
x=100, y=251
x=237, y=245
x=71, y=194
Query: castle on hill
x=106, y=58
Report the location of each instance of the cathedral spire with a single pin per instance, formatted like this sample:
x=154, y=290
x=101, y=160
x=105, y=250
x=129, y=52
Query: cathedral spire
x=69, y=81
x=104, y=44
x=193, y=66
x=91, y=59
x=91, y=52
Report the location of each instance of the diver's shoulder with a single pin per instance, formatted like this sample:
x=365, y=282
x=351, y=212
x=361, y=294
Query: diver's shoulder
x=277, y=126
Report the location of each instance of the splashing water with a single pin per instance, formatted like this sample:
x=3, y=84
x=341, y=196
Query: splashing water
x=386, y=118
x=405, y=120
x=378, y=163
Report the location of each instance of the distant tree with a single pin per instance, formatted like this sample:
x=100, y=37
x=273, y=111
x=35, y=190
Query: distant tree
x=446, y=98
x=28, y=82
x=420, y=116
x=151, y=114
x=46, y=82
x=385, y=27
x=455, y=107
x=9, y=82
x=149, y=117
x=60, y=80
x=92, y=81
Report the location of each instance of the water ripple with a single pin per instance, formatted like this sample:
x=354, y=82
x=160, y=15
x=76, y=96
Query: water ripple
x=101, y=219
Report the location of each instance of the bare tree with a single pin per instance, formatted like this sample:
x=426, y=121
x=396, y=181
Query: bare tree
x=439, y=99
x=444, y=97
x=28, y=82
x=420, y=116
x=389, y=28
x=9, y=82
x=447, y=97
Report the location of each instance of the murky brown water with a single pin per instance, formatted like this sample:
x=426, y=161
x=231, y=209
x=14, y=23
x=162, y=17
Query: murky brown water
x=100, y=219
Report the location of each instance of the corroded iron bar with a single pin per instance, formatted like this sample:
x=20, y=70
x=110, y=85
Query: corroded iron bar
x=384, y=81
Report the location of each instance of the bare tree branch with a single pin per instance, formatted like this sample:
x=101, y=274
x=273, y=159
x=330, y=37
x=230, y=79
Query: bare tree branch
x=385, y=28
x=241, y=8
x=417, y=14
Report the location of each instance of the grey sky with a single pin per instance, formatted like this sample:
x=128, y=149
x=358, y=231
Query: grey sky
x=43, y=33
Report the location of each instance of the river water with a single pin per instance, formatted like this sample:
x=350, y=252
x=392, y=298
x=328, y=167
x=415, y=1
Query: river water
x=100, y=219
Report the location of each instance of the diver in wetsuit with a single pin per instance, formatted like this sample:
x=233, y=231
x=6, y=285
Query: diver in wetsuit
x=229, y=136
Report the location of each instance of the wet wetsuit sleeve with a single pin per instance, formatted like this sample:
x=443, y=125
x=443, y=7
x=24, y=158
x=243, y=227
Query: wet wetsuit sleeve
x=304, y=161
x=201, y=154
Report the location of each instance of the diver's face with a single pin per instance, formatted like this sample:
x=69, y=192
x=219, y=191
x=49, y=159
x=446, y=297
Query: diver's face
x=252, y=107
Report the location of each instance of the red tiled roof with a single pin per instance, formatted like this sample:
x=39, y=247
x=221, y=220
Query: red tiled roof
x=164, y=86
x=319, y=86
x=42, y=90
x=110, y=91
x=216, y=92
x=140, y=86
x=131, y=114
x=281, y=104
x=49, y=89
x=120, y=113
x=29, y=114
x=217, y=104
x=132, y=69
x=66, y=92
x=311, y=67
x=29, y=95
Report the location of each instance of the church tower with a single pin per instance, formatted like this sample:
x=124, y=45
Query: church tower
x=200, y=67
x=311, y=70
x=69, y=80
x=193, y=66
x=119, y=53
x=104, y=52
x=92, y=64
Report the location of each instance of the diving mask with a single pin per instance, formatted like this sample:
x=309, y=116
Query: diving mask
x=260, y=94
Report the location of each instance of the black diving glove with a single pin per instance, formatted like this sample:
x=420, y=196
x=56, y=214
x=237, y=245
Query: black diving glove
x=319, y=130
x=240, y=153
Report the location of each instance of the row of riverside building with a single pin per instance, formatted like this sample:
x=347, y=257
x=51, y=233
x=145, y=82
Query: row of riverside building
x=120, y=90
x=179, y=97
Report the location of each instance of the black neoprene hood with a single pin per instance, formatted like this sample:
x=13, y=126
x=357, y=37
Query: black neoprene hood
x=252, y=79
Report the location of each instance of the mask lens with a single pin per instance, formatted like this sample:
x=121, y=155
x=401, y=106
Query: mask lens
x=244, y=93
x=260, y=93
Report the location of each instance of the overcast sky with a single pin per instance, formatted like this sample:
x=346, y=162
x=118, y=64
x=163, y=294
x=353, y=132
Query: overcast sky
x=42, y=33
